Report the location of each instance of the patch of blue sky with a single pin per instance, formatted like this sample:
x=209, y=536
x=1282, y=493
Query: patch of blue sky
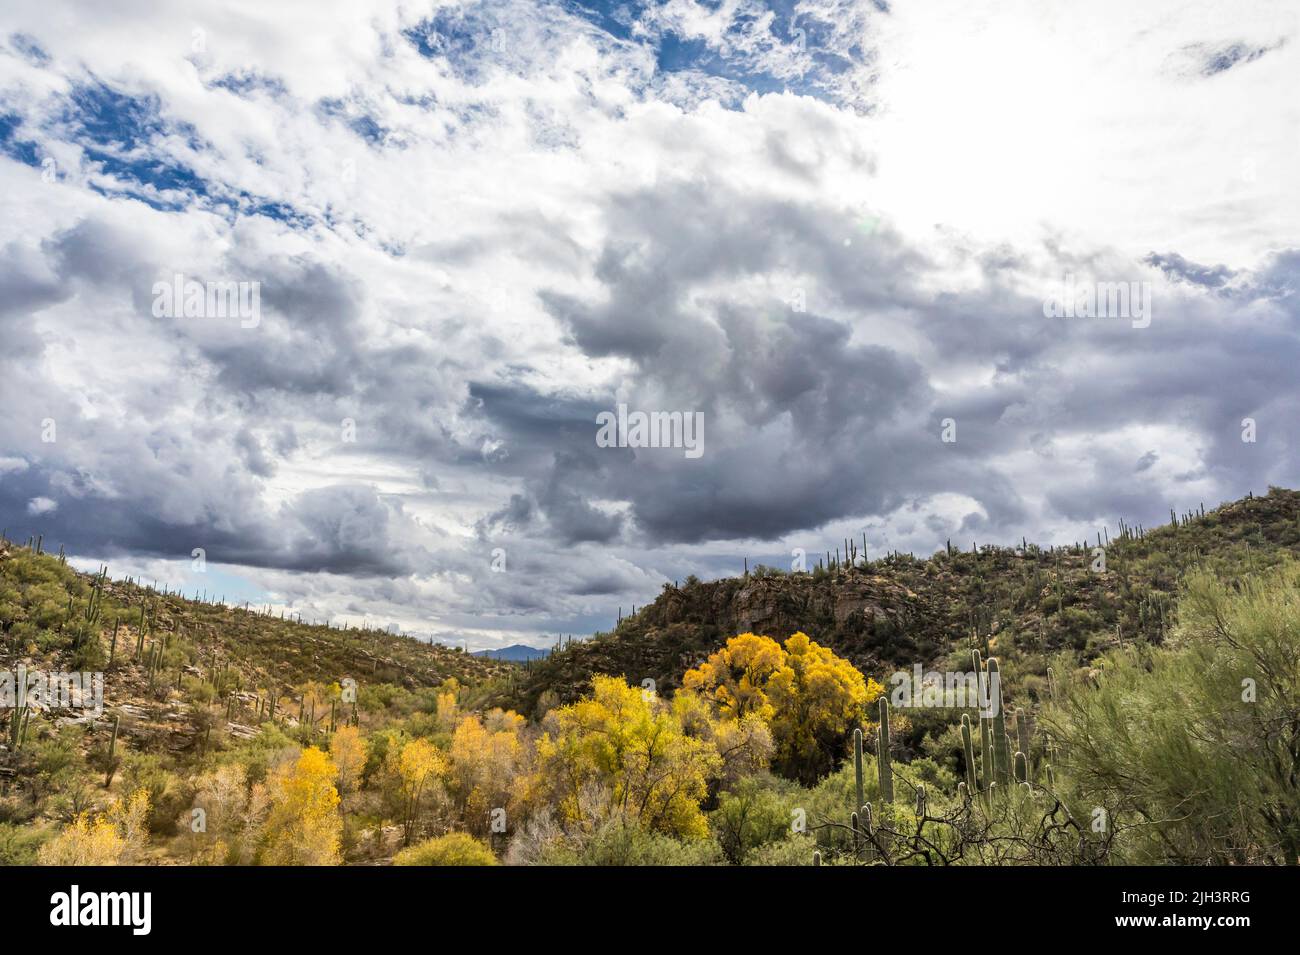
x=245, y=83
x=463, y=37
x=105, y=117
x=121, y=136
x=13, y=144
x=677, y=54
x=615, y=18
x=361, y=123
x=29, y=49
x=220, y=583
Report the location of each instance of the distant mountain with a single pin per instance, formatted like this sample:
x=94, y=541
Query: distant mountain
x=516, y=653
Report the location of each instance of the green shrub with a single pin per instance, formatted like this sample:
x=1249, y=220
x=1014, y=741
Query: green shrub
x=751, y=816
x=1192, y=748
x=621, y=842
x=792, y=850
x=18, y=844
x=455, y=848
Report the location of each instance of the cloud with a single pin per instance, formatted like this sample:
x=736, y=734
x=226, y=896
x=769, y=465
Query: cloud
x=826, y=227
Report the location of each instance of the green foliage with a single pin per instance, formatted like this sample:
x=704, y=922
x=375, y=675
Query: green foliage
x=622, y=842
x=455, y=848
x=1194, y=749
x=756, y=813
x=19, y=844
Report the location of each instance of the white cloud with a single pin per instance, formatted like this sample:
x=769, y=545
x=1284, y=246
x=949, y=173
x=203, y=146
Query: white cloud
x=472, y=253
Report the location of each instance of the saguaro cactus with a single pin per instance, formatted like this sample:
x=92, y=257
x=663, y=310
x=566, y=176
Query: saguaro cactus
x=16, y=727
x=111, y=766
x=883, y=763
x=968, y=751
x=857, y=764
x=1022, y=738
x=1001, y=751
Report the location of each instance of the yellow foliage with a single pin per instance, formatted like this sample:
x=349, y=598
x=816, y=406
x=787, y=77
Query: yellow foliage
x=113, y=837
x=416, y=765
x=633, y=748
x=303, y=826
x=736, y=676
x=485, y=761
x=348, y=751
x=811, y=699
x=455, y=848
x=448, y=713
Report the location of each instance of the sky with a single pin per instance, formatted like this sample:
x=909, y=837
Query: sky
x=840, y=234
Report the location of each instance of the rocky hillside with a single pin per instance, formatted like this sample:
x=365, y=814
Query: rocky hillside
x=151, y=645
x=900, y=610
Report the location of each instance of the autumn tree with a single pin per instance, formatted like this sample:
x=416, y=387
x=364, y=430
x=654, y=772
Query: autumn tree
x=811, y=699
x=303, y=826
x=448, y=705
x=222, y=825
x=629, y=743
x=113, y=837
x=744, y=745
x=415, y=766
x=484, y=773
x=348, y=752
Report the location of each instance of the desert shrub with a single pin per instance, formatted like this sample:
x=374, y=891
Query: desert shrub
x=19, y=844
x=116, y=836
x=752, y=815
x=621, y=841
x=1193, y=748
x=792, y=850
x=455, y=848
x=167, y=795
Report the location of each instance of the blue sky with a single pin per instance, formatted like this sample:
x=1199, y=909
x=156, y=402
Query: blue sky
x=828, y=226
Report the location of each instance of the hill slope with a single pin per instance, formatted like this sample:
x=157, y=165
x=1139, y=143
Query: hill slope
x=900, y=610
x=44, y=607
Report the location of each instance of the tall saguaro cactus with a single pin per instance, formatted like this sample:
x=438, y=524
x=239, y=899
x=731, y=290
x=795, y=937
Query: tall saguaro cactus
x=111, y=767
x=968, y=751
x=1001, y=749
x=883, y=762
x=857, y=765
x=1022, y=738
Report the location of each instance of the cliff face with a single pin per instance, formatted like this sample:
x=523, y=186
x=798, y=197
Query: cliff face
x=899, y=611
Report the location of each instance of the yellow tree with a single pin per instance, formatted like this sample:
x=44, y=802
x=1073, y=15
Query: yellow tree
x=448, y=703
x=348, y=752
x=631, y=745
x=744, y=745
x=223, y=823
x=736, y=676
x=303, y=826
x=113, y=837
x=811, y=699
x=484, y=767
x=418, y=764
